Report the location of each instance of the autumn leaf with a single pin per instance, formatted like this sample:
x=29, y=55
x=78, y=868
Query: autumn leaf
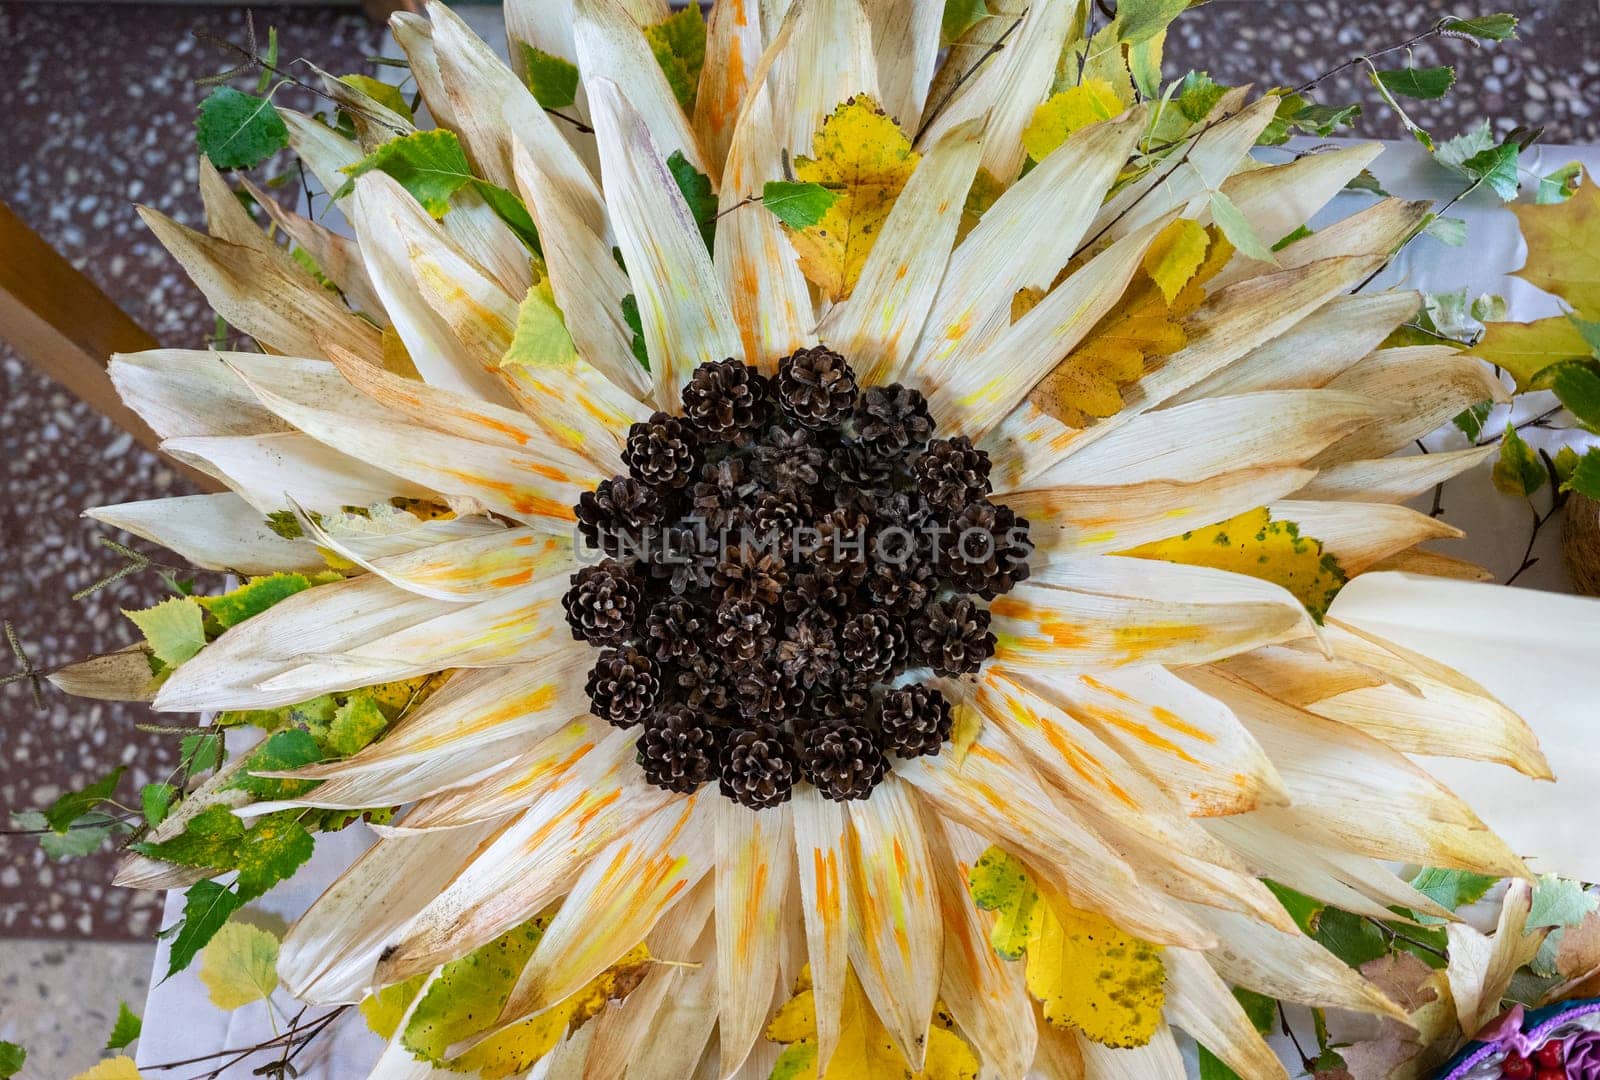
x=861, y=155
x=679, y=44
x=1525, y=349
x=1085, y=973
x=1564, y=248
x=174, y=629
x=1144, y=325
x=252, y=598
x=117, y=1068
x=541, y=338
x=239, y=966
x=865, y=1050
x=1073, y=109
x=1255, y=545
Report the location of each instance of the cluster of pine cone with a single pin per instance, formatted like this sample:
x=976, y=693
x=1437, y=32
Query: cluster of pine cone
x=775, y=558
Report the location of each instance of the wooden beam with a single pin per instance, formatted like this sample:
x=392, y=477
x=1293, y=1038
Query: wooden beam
x=63, y=325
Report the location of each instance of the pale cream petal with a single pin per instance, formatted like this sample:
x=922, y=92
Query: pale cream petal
x=993, y=791
x=615, y=902
x=826, y=60
x=1395, y=479
x=1101, y=520
x=252, y=289
x=755, y=262
x=414, y=34
x=1380, y=229
x=1481, y=967
x=1430, y=383
x=1354, y=793
x=682, y=309
x=1361, y=534
x=1189, y=443
x=331, y=952
x=612, y=48
x=1009, y=87
x=389, y=224
x=1278, y=199
x=325, y=620
x=896, y=929
x=1058, y=1057
x=483, y=235
x=877, y=328
x=1025, y=444
x=754, y=865
x=1199, y=166
x=1200, y=1003
x=679, y=1034
x=734, y=44
x=475, y=568
x=1078, y=614
x=1123, y=806
x=823, y=862
x=188, y=392
x=337, y=257
x=588, y=284
x=1186, y=741
x=1315, y=351
x=275, y=472
x=985, y=994
x=217, y=532
x=325, y=152
x=905, y=39
x=1288, y=966
x=227, y=219
x=534, y=861
x=980, y=388
x=538, y=485
x=1007, y=251
x=1156, y=1060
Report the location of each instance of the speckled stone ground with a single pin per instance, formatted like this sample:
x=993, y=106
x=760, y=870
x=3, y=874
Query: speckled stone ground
x=98, y=102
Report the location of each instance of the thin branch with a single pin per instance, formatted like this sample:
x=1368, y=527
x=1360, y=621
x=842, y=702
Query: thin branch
x=297, y=1034
x=573, y=120
x=25, y=668
x=1529, y=560
x=1367, y=58
x=999, y=43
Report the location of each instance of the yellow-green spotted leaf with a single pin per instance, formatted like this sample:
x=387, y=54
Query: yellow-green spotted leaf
x=1254, y=544
x=679, y=44
x=384, y=1010
x=386, y=94
x=174, y=629
x=1071, y=110
x=252, y=598
x=1517, y=471
x=541, y=338
x=239, y=966
x=1090, y=976
x=356, y=723
x=999, y=883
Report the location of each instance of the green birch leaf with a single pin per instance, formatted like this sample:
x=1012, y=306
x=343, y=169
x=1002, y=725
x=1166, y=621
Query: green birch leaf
x=1450, y=231
x=209, y=840
x=1470, y=421
x=287, y=749
x=541, y=338
x=274, y=848
x=797, y=205
x=1231, y=220
x=959, y=17
x=74, y=804
x=200, y=753
x=1497, y=27
x=1559, y=901
x=126, y=1029
x=431, y=165
x=469, y=991
x=11, y=1058
x=238, y=130
x=679, y=45
x=252, y=598
x=1198, y=94
x=1453, y=153
x=154, y=801
x=552, y=79
x=1212, y=1067
x=1261, y=1009
x=1140, y=20
x=696, y=188
x=1497, y=168
x=1566, y=462
x=75, y=843
x=1305, y=911
x=513, y=211
x=1425, y=84
x=1350, y=937
x=1517, y=471
x=174, y=629
x=1578, y=388
x=206, y=908
x=1560, y=185
x=630, y=315
x=1585, y=475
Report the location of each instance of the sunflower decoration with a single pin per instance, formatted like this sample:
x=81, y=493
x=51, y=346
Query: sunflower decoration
x=816, y=562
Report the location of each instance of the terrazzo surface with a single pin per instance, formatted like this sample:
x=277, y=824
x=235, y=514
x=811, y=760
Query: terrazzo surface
x=97, y=104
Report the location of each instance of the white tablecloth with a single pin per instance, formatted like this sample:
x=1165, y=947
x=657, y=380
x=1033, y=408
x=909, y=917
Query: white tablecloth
x=180, y=1022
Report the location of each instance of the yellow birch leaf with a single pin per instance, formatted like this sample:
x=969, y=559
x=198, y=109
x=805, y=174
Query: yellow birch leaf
x=1090, y=976
x=1254, y=544
x=1525, y=349
x=120, y=1067
x=239, y=966
x=541, y=338
x=1564, y=248
x=384, y=1010
x=1146, y=323
x=865, y=1050
x=1071, y=110
x=861, y=155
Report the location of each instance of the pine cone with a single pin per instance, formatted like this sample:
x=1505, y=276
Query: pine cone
x=844, y=761
x=986, y=551
x=678, y=750
x=703, y=682
x=816, y=387
x=744, y=630
x=684, y=558
x=892, y=420
x=816, y=595
x=764, y=694
x=722, y=493
x=676, y=629
x=951, y=474
x=872, y=646
x=842, y=545
x=749, y=573
x=603, y=603
x=758, y=767
x=623, y=686
x=790, y=462
x=726, y=401
x=808, y=654
x=661, y=451
x=901, y=589
x=915, y=720
x=953, y=637
x=771, y=522
x=612, y=516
